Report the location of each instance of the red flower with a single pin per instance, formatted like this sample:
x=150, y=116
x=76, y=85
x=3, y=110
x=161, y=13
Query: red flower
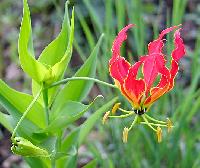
x=142, y=92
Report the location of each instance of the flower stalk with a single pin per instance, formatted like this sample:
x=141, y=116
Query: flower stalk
x=64, y=81
x=25, y=113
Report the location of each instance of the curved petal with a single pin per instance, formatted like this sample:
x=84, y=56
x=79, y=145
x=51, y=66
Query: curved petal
x=179, y=50
x=160, y=89
x=156, y=93
x=173, y=72
x=121, y=37
x=119, y=69
x=133, y=87
x=177, y=54
x=153, y=65
x=157, y=45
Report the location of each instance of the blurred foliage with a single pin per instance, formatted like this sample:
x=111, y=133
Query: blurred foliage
x=178, y=149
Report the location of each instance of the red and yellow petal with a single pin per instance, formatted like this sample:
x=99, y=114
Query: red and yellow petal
x=156, y=93
x=177, y=54
x=134, y=88
x=179, y=50
x=173, y=72
x=160, y=89
x=121, y=37
x=153, y=65
x=157, y=45
x=119, y=69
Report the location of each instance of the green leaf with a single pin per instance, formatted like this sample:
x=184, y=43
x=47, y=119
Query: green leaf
x=77, y=136
x=32, y=67
x=38, y=162
x=6, y=121
x=55, y=51
x=89, y=123
x=58, y=54
x=70, y=140
x=10, y=98
x=71, y=112
x=78, y=90
x=26, y=128
x=91, y=164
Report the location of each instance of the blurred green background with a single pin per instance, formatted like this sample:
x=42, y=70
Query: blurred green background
x=181, y=148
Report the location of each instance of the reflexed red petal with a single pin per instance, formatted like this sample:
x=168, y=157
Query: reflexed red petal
x=163, y=81
x=177, y=54
x=160, y=89
x=155, y=94
x=179, y=50
x=119, y=69
x=157, y=45
x=121, y=88
x=173, y=72
x=167, y=30
x=121, y=37
x=153, y=64
x=133, y=87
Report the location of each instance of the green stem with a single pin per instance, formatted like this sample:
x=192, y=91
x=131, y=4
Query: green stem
x=152, y=119
x=45, y=99
x=81, y=78
x=53, y=163
x=25, y=113
x=133, y=123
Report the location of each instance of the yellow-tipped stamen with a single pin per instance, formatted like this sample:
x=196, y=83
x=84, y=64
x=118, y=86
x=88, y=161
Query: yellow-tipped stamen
x=169, y=125
x=154, y=124
x=125, y=111
x=146, y=121
x=153, y=119
x=125, y=135
x=122, y=116
x=105, y=117
x=115, y=108
x=159, y=134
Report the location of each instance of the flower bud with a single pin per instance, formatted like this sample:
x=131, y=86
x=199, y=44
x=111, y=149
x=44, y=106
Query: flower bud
x=23, y=147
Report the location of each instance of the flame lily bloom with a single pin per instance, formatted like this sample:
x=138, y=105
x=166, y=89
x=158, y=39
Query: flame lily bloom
x=143, y=92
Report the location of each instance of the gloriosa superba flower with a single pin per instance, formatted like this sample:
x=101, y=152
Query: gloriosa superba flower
x=143, y=91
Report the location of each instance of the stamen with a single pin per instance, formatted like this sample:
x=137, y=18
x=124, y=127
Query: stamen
x=115, y=108
x=134, y=122
x=146, y=121
x=152, y=119
x=125, y=111
x=125, y=135
x=159, y=125
x=122, y=116
x=169, y=125
x=159, y=134
x=105, y=117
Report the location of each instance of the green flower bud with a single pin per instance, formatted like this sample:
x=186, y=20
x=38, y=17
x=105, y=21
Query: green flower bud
x=23, y=147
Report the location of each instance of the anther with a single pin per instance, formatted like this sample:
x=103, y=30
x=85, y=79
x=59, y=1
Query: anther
x=105, y=117
x=115, y=108
x=169, y=125
x=125, y=135
x=159, y=134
